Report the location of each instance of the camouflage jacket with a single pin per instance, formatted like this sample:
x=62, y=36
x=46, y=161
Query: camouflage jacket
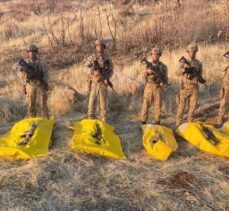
x=186, y=82
x=39, y=66
x=103, y=61
x=162, y=68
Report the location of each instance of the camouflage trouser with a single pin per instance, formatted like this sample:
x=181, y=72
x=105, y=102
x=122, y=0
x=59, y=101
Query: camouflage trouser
x=98, y=90
x=190, y=96
x=223, y=103
x=33, y=91
x=152, y=94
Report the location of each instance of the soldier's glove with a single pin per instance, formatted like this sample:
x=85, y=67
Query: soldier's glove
x=105, y=82
x=96, y=72
x=186, y=66
x=164, y=85
x=149, y=71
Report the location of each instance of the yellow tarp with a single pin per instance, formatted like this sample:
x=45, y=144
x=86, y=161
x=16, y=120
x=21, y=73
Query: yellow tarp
x=96, y=137
x=225, y=128
x=38, y=144
x=197, y=133
x=159, y=141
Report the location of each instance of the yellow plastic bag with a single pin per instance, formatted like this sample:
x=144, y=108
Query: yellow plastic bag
x=159, y=141
x=96, y=137
x=27, y=139
x=225, y=128
x=205, y=137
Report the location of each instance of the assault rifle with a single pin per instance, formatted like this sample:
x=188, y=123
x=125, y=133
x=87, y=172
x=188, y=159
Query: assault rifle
x=98, y=135
x=210, y=135
x=28, y=135
x=103, y=73
x=159, y=78
x=191, y=71
x=31, y=73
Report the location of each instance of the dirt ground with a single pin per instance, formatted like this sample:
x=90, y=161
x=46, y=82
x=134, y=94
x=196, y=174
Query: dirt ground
x=66, y=180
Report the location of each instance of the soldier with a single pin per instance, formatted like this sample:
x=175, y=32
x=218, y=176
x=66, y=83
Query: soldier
x=224, y=93
x=153, y=88
x=189, y=84
x=98, y=84
x=35, y=88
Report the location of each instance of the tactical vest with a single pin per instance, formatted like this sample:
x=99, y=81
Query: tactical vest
x=151, y=78
x=104, y=62
x=186, y=82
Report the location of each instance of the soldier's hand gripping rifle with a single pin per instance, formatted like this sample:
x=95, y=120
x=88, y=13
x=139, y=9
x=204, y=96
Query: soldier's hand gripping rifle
x=31, y=73
x=191, y=71
x=103, y=73
x=159, y=78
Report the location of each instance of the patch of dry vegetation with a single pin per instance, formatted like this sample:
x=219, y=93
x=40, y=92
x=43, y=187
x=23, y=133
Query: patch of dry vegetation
x=64, y=180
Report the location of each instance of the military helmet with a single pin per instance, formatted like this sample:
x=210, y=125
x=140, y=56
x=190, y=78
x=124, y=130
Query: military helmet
x=156, y=50
x=192, y=47
x=32, y=47
x=100, y=42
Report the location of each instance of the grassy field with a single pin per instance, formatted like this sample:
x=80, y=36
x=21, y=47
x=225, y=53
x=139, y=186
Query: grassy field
x=65, y=180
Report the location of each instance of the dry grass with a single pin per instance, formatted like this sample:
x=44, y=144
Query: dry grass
x=11, y=110
x=65, y=180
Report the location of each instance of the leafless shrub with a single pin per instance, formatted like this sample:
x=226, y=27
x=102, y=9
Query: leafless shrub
x=10, y=31
x=23, y=9
x=112, y=24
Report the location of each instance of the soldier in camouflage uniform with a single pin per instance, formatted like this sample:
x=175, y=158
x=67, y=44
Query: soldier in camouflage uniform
x=224, y=94
x=153, y=88
x=98, y=88
x=34, y=88
x=189, y=88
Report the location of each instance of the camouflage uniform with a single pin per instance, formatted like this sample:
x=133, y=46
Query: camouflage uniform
x=189, y=89
x=153, y=93
x=224, y=96
x=35, y=89
x=98, y=90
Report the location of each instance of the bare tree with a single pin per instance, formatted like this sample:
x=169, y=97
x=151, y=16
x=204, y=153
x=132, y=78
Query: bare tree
x=82, y=29
x=112, y=24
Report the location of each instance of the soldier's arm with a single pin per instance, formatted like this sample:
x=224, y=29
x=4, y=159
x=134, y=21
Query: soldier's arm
x=45, y=71
x=180, y=70
x=144, y=74
x=111, y=69
x=89, y=62
x=201, y=68
x=166, y=73
x=22, y=76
